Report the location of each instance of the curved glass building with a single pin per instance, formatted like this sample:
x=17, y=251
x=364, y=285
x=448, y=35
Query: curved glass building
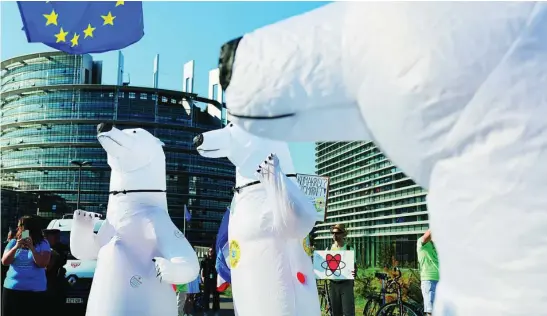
x=50, y=106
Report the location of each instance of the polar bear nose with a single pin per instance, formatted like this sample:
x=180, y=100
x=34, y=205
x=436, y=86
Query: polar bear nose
x=198, y=140
x=226, y=62
x=104, y=127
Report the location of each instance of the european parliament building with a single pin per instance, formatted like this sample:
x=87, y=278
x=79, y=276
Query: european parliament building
x=384, y=211
x=50, y=107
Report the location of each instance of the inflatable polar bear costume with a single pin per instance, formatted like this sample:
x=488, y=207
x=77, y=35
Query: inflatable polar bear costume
x=137, y=230
x=455, y=93
x=271, y=273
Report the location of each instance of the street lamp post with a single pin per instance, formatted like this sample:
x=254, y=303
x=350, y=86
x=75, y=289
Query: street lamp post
x=80, y=164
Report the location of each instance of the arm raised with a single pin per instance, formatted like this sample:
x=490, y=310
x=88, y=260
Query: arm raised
x=293, y=213
x=178, y=262
x=83, y=241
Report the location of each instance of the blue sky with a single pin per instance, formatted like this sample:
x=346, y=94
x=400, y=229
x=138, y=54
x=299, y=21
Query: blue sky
x=179, y=32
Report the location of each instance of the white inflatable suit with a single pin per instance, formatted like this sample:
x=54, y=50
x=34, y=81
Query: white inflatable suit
x=270, y=216
x=139, y=250
x=455, y=93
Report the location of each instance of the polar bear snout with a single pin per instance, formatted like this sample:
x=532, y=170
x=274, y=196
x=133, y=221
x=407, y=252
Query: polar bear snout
x=104, y=127
x=226, y=62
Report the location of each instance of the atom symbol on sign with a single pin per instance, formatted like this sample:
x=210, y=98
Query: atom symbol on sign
x=333, y=265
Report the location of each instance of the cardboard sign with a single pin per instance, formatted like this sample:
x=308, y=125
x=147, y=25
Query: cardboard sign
x=333, y=265
x=316, y=188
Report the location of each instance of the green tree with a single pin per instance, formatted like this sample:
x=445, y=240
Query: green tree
x=386, y=255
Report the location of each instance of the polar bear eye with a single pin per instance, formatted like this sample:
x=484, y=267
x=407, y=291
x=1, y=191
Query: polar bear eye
x=231, y=124
x=134, y=132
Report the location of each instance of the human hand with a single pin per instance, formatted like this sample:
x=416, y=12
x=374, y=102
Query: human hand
x=20, y=243
x=29, y=243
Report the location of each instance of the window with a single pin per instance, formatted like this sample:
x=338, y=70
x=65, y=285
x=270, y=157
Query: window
x=215, y=94
x=144, y=96
x=131, y=95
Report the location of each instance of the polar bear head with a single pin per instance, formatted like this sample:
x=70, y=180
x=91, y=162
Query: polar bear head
x=135, y=156
x=285, y=81
x=244, y=150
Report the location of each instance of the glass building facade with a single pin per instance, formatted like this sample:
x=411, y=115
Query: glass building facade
x=384, y=211
x=50, y=107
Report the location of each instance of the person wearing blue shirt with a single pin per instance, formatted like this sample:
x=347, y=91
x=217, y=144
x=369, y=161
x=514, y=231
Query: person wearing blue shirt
x=25, y=284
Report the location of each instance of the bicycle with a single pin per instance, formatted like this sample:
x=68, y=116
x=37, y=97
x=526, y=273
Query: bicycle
x=375, y=302
x=399, y=307
x=324, y=297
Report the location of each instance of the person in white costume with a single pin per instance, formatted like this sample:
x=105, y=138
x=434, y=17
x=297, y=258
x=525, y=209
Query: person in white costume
x=139, y=250
x=455, y=94
x=270, y=216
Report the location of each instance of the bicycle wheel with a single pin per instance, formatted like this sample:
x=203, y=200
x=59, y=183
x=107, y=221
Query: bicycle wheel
x=392, y=309
x=372, y=306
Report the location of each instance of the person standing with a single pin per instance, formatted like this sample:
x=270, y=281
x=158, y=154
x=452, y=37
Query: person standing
x=429, y=270
x=192, y=290
x=55, y=271
x=342, y=298
x=11, y=235
x=209, y=279
x=26, y=283
x=181, y=290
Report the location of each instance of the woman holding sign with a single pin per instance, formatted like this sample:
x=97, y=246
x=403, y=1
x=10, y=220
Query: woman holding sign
x=342, y=298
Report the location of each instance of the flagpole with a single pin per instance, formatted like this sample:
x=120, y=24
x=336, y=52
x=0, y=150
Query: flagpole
x=184, y=227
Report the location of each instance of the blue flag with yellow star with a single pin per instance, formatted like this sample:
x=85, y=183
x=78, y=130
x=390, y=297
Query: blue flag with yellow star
x=81, y=27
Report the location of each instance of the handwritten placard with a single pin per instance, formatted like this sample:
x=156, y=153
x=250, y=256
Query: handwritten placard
x=316, y=188
x=333, y=265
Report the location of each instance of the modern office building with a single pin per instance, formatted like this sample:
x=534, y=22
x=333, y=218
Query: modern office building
x=383, y=210
x=50, y=107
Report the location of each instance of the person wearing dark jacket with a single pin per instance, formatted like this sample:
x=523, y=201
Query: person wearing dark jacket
x=209, y=279
x=55, y=271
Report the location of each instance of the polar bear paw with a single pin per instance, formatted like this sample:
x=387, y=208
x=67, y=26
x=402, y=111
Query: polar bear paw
x=162, y=268
x=268, y=169
x=84, y=220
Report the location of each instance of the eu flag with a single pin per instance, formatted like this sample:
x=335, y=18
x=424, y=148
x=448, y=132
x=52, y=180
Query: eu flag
x=80, y=27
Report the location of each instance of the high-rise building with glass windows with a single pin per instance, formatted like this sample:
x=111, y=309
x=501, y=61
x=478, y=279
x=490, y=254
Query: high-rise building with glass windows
x=380, y=206
x=50, y=107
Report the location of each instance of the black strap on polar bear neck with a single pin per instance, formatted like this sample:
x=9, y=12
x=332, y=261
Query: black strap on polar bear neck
x=238, y=189
x=133, y=191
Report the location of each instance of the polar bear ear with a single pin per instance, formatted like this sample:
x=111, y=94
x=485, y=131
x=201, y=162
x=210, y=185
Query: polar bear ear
x=160, y=142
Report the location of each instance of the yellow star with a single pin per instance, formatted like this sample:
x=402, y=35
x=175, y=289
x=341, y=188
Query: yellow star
x=119, y=3
x=51, y=18
x=61, y=36
x=89, y=31
x=108, y=19
x=74, y=40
